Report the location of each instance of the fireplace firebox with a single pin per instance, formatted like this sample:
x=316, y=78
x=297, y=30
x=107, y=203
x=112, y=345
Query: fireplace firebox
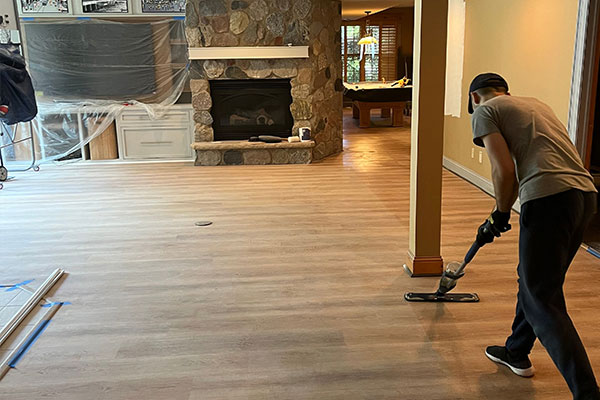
x=252, y=107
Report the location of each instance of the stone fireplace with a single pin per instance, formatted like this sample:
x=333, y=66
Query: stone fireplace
x=313, y=84
x=245, y=108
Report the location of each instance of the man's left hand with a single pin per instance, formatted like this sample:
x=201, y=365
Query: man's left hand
x=494, y=226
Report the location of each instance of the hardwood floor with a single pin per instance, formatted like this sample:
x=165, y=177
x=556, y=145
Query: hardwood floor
x=294, y=292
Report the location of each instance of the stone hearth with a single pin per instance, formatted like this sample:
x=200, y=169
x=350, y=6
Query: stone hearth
x=316, y=85
x=252, y=153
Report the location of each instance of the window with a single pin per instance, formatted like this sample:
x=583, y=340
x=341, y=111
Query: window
x=371, y=57
x=379, y=60
x=351, y=53
x=388, y=56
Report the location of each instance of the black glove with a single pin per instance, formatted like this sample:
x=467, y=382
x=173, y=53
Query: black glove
x=495, y=225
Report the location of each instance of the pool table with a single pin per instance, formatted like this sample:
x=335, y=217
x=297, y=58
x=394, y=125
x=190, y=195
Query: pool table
x=386, y=96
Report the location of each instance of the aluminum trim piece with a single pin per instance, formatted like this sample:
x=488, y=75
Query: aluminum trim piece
x=26, y=308
x=5, y=366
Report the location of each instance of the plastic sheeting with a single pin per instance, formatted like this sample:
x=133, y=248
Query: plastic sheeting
x=85, y=72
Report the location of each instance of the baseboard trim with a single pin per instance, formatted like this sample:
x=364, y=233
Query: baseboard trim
x=474, y=178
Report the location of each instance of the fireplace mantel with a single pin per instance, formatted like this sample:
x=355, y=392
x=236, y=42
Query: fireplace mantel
x=246, y=53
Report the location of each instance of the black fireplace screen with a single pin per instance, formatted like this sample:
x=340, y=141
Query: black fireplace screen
x=245, y=108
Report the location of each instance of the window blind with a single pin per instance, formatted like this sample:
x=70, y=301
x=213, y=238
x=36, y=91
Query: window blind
x=388, y=58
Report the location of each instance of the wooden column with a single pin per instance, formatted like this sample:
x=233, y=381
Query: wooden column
x=424, y=255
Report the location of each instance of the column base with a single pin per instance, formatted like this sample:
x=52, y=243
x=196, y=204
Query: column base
x=424, y=266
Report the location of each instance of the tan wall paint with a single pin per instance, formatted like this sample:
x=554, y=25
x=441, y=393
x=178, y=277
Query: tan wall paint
x=530, y=43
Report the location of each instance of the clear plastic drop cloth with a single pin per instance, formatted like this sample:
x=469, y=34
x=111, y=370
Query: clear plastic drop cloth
x=85, y=72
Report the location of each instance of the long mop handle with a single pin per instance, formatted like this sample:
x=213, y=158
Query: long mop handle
x=468, y=258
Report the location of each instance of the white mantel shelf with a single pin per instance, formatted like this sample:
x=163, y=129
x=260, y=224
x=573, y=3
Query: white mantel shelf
x=245, y=53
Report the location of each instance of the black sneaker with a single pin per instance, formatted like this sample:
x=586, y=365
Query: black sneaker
x=500, y=355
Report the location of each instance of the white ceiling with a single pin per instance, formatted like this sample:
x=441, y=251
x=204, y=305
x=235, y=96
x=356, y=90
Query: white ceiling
x=353, y=9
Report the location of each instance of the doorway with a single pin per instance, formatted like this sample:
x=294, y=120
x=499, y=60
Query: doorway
x=588, y=132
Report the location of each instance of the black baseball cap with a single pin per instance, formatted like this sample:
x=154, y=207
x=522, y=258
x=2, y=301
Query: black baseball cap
x=488, y=79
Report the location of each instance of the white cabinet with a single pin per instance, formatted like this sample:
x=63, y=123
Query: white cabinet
x=138, y=137
x=142, y=138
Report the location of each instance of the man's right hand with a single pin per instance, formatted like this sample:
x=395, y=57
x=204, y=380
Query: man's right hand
x=495, y=225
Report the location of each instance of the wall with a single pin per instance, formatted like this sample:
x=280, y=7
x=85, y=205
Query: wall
x=316, y=81
x=407, y=27
x=531, y=44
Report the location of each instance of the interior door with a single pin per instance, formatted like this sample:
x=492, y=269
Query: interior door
x=591, y=156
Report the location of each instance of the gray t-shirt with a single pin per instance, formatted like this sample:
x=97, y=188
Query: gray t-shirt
x=546, y=161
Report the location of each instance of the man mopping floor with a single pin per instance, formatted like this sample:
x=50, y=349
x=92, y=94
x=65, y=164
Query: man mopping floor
x=532, y=157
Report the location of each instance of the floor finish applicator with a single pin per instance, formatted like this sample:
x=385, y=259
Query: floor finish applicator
x=453, y=272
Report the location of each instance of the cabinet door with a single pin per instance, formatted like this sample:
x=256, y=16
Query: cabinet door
x=147, y=143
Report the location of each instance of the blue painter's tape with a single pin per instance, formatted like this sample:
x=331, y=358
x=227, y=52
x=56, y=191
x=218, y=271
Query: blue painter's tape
x=18, y=285
x=27, y=18
x=27, y=345
x=84, y=18
x=593, y=252
x=62, y=303
x=181, y=18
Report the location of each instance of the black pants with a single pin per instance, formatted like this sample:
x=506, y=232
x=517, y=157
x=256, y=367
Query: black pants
x=551, y=232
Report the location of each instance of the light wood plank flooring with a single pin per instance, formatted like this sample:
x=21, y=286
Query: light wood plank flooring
x=295, y=291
